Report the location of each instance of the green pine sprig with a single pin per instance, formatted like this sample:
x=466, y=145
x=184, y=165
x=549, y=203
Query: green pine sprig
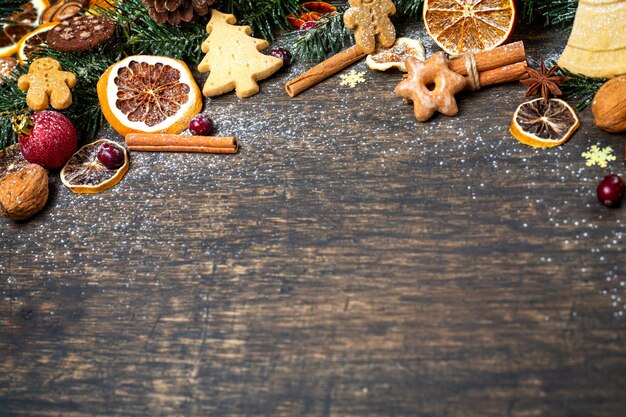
x=319, y=42
x=580, y=88
x=262, y=15
x=142, y=35
x=549, y=12
x=409, y=8
x=8, y=7
x=12, y=104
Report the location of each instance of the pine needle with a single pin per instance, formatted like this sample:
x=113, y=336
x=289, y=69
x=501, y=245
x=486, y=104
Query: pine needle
x=8, y=7
x=409, y=8
x=580, y=88
x=144, y=36
x=549, y=12
x=327, y=38
x=12, y=104
x=261, y=15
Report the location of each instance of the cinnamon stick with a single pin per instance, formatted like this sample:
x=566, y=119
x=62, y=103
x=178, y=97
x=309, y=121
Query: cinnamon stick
x=506, y=74
x=496, y=58
x=162, y=142
x=323, y=70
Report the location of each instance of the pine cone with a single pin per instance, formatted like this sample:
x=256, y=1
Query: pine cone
x=175, y=11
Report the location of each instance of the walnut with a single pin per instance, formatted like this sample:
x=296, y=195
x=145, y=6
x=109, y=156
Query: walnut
x=23, y=193
x=609, y=105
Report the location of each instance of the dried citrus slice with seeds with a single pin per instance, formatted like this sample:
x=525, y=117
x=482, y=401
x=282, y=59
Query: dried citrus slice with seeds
x=460, y=26
x=544, y=124
x=32, y=42
x=85, y=174
x=152, y=94
x=20, y=24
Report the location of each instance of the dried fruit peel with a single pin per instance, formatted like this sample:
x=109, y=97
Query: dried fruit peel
x=544, y=124
x=383, y=59
x=460, y=26
x=32, y=41
x=85, y=174
x=126, y=94
x=27, y=20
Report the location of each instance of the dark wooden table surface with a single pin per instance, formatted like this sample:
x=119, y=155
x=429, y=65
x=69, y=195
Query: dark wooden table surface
x=348, y=262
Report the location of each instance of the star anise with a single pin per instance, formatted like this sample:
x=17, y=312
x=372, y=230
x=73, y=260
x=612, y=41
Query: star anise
x=544, y=81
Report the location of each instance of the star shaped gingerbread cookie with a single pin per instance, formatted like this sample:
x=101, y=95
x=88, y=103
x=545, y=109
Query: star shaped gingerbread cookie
x=431, y=86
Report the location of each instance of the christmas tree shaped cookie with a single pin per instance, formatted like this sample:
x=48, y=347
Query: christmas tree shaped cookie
x=233, y=58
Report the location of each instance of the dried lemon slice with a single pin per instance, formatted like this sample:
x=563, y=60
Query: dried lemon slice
x=544, y=124
x=150, y=94
x=383, y=59
x=85, y=174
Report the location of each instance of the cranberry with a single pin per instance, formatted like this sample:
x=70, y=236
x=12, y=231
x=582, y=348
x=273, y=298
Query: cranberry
x=281, y=53
x=201, y=125
x=308, y=25
x=611, y=190
x=111, y=156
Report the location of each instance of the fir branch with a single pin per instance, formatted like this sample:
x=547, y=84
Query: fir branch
x=261, y=15
x=12, y=104
x=8, y=7
x=144, y=36
x=409, y=8
x=549, y=12
x=580, y=88
x=327, y=38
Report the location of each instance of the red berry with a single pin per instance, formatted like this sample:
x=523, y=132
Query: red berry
x=111, y=156
x=611, y=190
x=283, y=54
x=201, y=125
x=52, y=140
x=308, y=25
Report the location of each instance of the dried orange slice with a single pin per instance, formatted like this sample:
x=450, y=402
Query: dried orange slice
x=145, y=93
x=25, y=20
x=460, y=26
x=85, y=174
x=32, y=42
x=544, y=124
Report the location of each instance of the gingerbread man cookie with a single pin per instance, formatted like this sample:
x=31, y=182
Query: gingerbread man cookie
x=431, y=86
x=47, y=84
x=370, y=21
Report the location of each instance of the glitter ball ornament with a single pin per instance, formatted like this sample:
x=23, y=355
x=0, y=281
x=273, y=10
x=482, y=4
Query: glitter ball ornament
x=51, y=140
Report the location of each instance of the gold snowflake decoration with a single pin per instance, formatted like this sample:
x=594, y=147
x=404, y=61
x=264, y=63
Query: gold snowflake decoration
x=599, y=157
x=352, y=78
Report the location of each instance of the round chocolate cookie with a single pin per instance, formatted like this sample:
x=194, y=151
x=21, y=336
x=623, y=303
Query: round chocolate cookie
x=80, y=33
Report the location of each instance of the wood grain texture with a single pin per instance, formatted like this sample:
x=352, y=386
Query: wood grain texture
x=347, y=262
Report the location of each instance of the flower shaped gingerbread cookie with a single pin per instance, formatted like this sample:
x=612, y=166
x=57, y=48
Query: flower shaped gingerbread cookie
x=444, y=84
